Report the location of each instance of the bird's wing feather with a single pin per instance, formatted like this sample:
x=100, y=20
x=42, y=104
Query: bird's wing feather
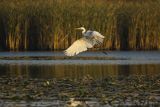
x=96, y=37
x=79, y=46
x=88, y=33
x=95, y=33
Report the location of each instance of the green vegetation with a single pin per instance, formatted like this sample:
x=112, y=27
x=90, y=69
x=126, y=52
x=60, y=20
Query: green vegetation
x=49, y=24
x=141, y=91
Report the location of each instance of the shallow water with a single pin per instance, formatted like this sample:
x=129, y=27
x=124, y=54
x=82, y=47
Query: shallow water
x=54, y=65
x=87, y=58
x=97, y=64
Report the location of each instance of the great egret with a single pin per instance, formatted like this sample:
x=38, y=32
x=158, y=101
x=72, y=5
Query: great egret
x=89, y=39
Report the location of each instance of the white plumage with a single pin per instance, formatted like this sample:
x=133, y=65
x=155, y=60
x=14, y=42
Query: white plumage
x=89, y=39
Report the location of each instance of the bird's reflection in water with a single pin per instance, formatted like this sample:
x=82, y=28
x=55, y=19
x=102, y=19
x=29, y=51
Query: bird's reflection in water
x=75, y=103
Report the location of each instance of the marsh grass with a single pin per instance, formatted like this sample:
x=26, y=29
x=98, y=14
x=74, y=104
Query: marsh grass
x=49, y=24
x=112, y=91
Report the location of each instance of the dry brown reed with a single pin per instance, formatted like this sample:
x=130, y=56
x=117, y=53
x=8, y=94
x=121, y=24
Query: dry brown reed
x=49, y=24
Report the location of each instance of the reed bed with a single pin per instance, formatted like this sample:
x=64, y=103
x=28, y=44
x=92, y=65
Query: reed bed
x=134, y=91
x=49, y=25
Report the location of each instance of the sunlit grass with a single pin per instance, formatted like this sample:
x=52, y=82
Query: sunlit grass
x=42, y=25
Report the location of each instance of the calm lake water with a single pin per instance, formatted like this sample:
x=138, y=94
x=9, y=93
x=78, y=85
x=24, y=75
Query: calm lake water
x=96, y=64
x=38, y=68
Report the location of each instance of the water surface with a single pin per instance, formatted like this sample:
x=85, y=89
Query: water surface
x=97, y=64
x=36, y=74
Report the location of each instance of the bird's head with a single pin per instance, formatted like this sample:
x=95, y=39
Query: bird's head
x=80, y=28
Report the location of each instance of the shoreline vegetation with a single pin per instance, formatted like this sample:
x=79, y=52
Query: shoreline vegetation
x=27, y=25
x=112, y=91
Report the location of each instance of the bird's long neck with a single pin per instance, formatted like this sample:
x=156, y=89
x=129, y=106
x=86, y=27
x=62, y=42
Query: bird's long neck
x=83, y=31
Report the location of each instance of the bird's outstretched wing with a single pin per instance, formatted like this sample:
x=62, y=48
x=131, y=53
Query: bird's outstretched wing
x=84, y=43
x=95, y=37
x=79, y=46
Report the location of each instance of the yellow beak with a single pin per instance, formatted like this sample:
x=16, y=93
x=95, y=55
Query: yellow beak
x=77, y=28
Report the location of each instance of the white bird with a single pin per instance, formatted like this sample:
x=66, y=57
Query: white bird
x=74, y=103
x=89, y=39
